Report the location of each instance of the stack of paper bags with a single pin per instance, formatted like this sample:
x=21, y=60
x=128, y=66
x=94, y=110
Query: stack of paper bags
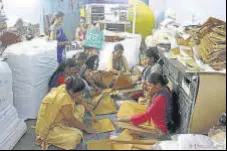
x=104, y=104
x=125, y=141
x=212, y=48
x=211, y=38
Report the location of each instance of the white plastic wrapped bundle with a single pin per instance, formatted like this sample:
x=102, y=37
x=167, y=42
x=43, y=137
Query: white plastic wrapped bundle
x=32, y=64
x=131, y=45
x=11, y=127
x=6, y=82
x=187, y=142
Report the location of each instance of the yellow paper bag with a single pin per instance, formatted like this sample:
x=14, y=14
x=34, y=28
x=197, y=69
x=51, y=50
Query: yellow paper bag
x=103, y=126
x=123, y=82
x=125, y=136
x=129, y=109
x=99, y=145
x=105, y=104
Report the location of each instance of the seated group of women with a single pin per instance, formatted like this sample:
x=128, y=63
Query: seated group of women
x=60, y=118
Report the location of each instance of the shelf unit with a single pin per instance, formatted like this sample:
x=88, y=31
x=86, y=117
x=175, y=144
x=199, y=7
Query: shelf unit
x=113, y=17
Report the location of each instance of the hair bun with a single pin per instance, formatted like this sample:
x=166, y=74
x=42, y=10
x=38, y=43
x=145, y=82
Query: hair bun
x=165, y=80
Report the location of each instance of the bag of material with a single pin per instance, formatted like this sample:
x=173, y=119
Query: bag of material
x=32, y=64
x=6, y=83
x=12, y=128
x=193, y=142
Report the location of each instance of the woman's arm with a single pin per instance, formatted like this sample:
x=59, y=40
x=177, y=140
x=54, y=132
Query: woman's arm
x=52, y=35
x=125, y=64
x=155, y=108
x=68, y=115
x=89, y=110
x=67, y=111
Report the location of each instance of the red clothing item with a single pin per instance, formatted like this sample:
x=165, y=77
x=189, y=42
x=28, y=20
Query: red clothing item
x=155, y=113
x=137, y=96
x=61, y=80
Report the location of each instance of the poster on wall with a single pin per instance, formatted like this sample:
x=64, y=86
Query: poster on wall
x=94, y=39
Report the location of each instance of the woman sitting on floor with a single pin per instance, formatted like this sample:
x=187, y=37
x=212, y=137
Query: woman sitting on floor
x=60, y=117
x=118, y=62
x=152, y=63
x=66, y=68
x=88, y=72
x=159, y=110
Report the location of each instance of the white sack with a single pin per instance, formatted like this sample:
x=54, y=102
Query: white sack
x=194, y=142
x=32, y=63
x=6, y=82
x=11, y=127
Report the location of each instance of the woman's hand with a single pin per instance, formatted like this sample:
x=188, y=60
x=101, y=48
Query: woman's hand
x=124, y=119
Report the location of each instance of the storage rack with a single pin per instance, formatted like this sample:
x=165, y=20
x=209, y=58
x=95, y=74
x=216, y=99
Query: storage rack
x=97, y=13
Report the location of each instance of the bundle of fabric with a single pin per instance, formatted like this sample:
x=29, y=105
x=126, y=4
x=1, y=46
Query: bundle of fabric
x=12, y=128
x=212, y=48
x=33, y=63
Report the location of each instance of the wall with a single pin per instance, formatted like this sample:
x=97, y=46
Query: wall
x=29, y=10
x=202, y=9
x=71, y=18
x=186, y=8
x=33, y=11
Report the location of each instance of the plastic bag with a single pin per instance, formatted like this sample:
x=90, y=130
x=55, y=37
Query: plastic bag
x=193, y=142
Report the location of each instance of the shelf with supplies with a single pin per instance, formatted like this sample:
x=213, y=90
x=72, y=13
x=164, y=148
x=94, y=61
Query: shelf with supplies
x=194, y=93
x=113, y=17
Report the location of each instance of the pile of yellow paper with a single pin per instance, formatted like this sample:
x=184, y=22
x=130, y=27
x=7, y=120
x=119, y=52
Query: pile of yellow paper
x=103, y=126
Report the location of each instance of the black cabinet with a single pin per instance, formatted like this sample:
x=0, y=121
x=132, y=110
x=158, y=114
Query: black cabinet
x=185, y=89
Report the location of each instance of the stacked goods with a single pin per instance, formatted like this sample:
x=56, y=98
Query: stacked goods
x=211, y=38
x=12, y=128
x=33, y=63
x=27, y=30
x=212, y=48
x=8, y=37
